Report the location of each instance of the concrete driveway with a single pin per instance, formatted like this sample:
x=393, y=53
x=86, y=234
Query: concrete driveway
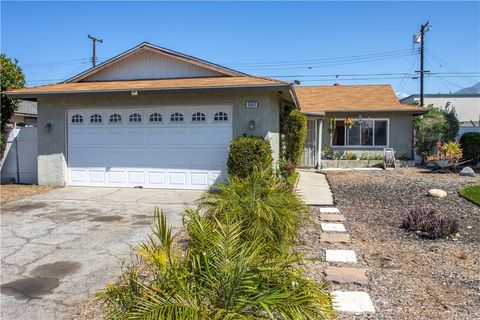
x=60, y=247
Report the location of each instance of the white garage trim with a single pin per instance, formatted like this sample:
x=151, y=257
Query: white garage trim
x=179, y=148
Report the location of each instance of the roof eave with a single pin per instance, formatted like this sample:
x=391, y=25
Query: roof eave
x=419, y=111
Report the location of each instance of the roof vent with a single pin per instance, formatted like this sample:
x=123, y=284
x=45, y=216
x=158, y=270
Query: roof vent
x=336, y=84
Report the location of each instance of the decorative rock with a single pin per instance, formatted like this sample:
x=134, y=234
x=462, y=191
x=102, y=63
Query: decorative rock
x=332, y=217
x=437, y=193
x=335, y=237
x=467, y=171
x=340, y=256
x=352, y=301
x=337, y=227
x=346, y=275
x=329, y=210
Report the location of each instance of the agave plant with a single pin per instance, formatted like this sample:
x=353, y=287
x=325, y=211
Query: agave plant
x=220, y=276
x=268, y=210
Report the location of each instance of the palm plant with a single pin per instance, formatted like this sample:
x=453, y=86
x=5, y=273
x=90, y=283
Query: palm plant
x=268, y=211
x=220, y=276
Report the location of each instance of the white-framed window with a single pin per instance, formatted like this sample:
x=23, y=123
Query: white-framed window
x=220, y=116
x=364, y=133
x=155, y=117
x=115, y=118
x=199, y=117
x=135, y=117
x=96, y=118
x=176, y=117
x=77, y=118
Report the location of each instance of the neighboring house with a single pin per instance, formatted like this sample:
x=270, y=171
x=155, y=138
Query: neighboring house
x=155, y=118
x=467, y=107
x=151, y=117
x=26, y=113
x=377, y=118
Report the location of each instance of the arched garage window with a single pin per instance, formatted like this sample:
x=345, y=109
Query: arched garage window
x=198, y=117
x=220, y=116
x=96, y=118
x=155, y=117
x=76, y=118
x=135, y=117
x=115, y=118
x=176, y=117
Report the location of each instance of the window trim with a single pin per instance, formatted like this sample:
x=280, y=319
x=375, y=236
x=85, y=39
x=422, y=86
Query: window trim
x=150, y=114
x=135, y=114
x=115, y=122
x=201, y=114
x=77, y=116
x=223, y=120
x=360, y=146
x=175, y=113
x=96, y=122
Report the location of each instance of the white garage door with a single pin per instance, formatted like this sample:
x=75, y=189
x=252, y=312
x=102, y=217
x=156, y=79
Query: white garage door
x=152, y=148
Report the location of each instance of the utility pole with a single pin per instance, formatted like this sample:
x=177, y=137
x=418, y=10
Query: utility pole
x=94, y=42
x=423, y=29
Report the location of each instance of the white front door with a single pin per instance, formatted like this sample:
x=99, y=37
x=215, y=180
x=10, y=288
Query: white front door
x=178, y=148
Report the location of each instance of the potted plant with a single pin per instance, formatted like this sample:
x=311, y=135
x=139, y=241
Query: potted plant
x=349, y=122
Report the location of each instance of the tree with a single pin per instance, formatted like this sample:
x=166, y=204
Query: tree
x=295, y=132
x=435, y=125
x=12, y=77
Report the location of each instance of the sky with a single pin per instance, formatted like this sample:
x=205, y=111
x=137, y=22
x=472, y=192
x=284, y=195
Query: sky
x=317, y=43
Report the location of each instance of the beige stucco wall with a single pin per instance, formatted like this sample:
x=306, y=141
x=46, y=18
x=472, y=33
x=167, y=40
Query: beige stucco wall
x=400, y=131
x=52, y=144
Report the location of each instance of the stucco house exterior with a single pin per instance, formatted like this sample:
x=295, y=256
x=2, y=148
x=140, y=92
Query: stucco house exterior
x=467, y=107
x=155, y=118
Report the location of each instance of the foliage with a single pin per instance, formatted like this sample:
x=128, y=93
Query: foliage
x=435, y=125
x=295, y=132
x=350, y=156
x=471, y=193
x=452, y=150
x=371, y=156
x=470, y=142
x=220, y=276
x=248, y=154
x=430, y=223
x=11, y=77
x=268, y=211
x=403, y=155
x=285, y=168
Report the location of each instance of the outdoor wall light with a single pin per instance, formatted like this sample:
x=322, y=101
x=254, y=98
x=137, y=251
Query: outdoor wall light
x=251, y=125
x=134, y=93
x=48, y=127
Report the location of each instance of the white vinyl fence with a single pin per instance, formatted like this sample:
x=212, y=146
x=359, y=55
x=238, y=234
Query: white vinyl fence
x=19, y=163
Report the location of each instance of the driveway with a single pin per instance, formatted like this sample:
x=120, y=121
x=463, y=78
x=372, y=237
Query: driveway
x=60, y=247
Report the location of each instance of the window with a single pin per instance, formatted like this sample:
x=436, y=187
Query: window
x=135, y=117
x=96, y=118
x=198, y=117
x=77, y=118
x=367, y=133
x=176, y=117
x=220, y=116
x=115, y=118
x=155, y=117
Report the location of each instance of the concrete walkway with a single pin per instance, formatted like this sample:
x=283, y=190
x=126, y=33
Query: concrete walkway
x=314, y=189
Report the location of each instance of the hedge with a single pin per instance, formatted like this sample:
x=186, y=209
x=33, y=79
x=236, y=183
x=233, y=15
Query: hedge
x=470, y=142
x=295, y=134
x=246, y=154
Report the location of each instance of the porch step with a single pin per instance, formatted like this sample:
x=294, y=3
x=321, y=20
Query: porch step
x=346, y=275
x=335, y=238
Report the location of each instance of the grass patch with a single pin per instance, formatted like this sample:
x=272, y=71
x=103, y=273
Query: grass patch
x=471, y=193
x=292, y=178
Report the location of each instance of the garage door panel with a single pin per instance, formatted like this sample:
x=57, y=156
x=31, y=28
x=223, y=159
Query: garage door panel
x=180, y=155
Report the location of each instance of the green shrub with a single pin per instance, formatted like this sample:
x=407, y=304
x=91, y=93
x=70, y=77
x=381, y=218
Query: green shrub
x=470, y=142
x=350, y=156
x=220, y=276
x=295, y=132
x=267, y=209
x=248, y=154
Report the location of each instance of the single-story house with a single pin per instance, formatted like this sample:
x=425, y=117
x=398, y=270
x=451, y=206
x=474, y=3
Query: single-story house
x=26, y=113
x=466, y=105
x=155, y=118
x=356, y=119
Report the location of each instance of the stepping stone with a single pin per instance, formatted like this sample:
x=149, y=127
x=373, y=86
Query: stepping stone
x=332, y=217
x=340, y=256
x=352, y=301
x=335, y=237
x=346, y=275
x=329, y=210
x=337, y=227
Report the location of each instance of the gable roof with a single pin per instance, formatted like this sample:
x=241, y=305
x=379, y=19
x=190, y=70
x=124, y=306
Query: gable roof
x=28, y=108
x=340, y=98
x=148, y=85
x=159, y=50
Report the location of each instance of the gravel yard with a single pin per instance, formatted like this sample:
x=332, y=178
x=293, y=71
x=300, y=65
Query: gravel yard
x=410, y=277
x=12, y=192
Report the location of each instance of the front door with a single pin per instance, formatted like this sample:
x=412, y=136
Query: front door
x=309, y=149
